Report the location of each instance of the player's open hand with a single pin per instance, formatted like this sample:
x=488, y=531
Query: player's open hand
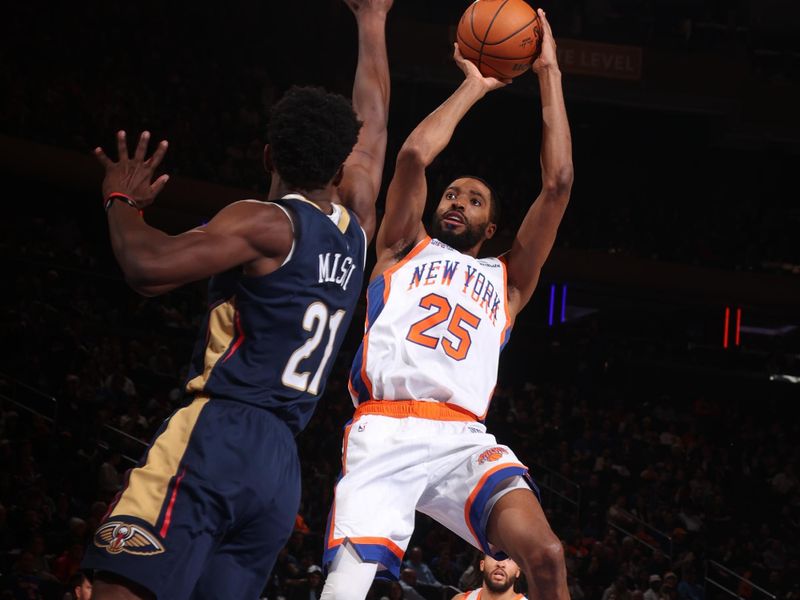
x=547, y=58
x=471, y=71
x=361, y=6
x=133, y=176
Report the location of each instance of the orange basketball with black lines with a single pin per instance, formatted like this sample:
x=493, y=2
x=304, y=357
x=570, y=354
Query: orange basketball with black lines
x=502, y=37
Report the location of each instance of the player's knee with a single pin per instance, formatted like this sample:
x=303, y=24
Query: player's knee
x=553, y=553
x=545, y=554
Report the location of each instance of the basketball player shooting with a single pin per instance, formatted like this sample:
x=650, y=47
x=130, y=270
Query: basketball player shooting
x=423, y=377
x=214, y=499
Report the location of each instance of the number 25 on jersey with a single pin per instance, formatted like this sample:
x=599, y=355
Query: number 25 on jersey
x=440, y=311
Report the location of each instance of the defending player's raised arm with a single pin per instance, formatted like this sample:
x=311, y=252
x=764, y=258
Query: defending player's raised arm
x=537, y=234
x=363, y=169
x=405, y=200
x=154, y=262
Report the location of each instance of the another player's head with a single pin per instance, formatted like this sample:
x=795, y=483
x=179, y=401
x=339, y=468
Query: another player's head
x=311, y=134
x=499, y=575
x=79, y=586
x=467, y=214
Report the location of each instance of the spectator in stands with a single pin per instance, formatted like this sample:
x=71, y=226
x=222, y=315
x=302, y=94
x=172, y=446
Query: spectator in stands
x=688, y=588
x=310, y=587
x=470, y=579
x=423, y=572
x=68, y=563
x=408, y=581
x=617, y=590
x=444, y=567
x=669, y=589
x=109, y=480
x=395, y=591
x=652, y=592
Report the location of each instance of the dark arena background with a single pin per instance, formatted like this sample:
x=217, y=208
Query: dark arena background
x=649, y=386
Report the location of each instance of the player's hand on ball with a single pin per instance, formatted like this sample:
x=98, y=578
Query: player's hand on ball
x=472, y=72
x=133, y=176
x=358, y=6
x=548, y=58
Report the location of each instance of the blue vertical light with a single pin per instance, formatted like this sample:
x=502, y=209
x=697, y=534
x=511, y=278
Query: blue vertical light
x=563, y=302
x=552, y=304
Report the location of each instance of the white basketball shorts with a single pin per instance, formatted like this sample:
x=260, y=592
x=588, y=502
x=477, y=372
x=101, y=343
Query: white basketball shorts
x=402, y=456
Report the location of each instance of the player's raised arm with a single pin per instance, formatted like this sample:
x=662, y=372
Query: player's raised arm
x=536, y=235
x=363, y=169
x=154, y=262
x=405, y=200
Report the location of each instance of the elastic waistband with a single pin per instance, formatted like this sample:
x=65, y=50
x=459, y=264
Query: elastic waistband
x=436, y=411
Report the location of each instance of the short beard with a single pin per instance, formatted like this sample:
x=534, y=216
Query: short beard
x=463, y=241
x=498, y=588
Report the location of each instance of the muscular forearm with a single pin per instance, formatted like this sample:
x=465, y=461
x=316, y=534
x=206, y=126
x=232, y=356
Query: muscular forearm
x=134, y=242
x=371, y=86
x=433, y=134
x=371, y=90
x=556, y=154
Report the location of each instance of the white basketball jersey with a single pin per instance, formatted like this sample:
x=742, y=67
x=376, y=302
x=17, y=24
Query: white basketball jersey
x=476, y=595
x=436, y=322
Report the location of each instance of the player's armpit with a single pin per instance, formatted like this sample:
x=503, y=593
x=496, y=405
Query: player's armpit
x=405, y=204
x=358, y=192
x=239, y=234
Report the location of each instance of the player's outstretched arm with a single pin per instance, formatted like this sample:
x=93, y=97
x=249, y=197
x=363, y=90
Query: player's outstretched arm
x=405, y=200
x=363, y=169
x=154, y=262
x=537, y=234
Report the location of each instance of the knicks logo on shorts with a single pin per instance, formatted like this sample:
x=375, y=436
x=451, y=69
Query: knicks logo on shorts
x=491, y=455
x=116, y=537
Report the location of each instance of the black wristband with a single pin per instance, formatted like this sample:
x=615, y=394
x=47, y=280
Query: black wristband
x=119, y=196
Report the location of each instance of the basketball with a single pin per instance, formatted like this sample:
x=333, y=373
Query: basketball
x=502, y=37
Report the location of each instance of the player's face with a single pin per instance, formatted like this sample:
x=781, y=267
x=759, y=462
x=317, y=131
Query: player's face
x=499, y=575
x=84, y=590
x=462, y=218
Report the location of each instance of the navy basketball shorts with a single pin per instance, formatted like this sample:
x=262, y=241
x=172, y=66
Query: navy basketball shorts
x=209, y=507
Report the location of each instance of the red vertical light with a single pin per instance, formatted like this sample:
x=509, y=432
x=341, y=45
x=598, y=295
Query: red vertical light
x=725, y=330
x=738, y=325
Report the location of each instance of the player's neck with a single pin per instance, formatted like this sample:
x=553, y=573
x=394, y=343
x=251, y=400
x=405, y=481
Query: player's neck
x=473, y=252
x=322, y=197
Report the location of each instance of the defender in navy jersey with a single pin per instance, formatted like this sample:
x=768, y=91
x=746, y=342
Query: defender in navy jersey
x=269, y=341
x=214, y=499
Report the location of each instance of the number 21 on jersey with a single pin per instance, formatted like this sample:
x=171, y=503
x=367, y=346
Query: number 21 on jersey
x=316, y=320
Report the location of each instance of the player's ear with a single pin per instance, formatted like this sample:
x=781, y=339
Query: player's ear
x=337, y=179
x=491, y=229
x=268, y=166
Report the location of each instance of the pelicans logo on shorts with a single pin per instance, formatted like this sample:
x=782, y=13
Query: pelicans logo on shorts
x=116, y=537
x=491, y=455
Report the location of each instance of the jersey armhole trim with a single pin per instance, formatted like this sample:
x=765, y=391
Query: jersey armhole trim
x=291, y=222
x=366, y=243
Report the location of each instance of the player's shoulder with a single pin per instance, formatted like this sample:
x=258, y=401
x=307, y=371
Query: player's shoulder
x=492, y=262
x=461, y=596
x=247, y=218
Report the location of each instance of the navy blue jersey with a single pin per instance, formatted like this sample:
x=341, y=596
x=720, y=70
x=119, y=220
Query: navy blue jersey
x=271, y=341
